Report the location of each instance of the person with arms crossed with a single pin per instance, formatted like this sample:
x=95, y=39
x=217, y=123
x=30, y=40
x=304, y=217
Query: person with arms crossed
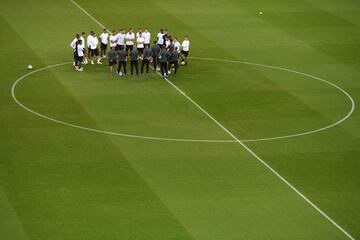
x=140, y=44
x=104, y=36
x=113, y=40
x=88, y=41
x=122, y=57
x=129, y=38
x=82, y=37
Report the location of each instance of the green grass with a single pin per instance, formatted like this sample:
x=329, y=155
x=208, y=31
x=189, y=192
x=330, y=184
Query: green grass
x=58, y=182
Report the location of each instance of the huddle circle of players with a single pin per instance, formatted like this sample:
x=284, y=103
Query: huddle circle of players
x=165, y=52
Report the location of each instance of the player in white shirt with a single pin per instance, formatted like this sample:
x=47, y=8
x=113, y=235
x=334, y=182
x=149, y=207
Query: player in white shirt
x=82, y=37
x=94, y=50
x=147, y=37
x=177, y=44
x=139, y=32
x=185, y=50
x=120, y=40
x=167, y=42
x=104, y=39
x=73, y=46
x=140, y=44
x=79, y=48
x=88, y=41
x=160, y=38
x=129, y=38
x=113, y=40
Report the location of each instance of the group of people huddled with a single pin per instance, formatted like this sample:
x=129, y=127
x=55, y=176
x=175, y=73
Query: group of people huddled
x=165, y=52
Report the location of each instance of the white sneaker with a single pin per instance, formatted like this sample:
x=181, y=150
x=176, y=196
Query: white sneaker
x=120, y=74
x=169, y=72
x=79, y=69
x=157, y=69
x=98, y=62
x=92, y=62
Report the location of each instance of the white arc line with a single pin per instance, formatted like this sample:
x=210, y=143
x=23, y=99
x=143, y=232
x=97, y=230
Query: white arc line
x=252, y=152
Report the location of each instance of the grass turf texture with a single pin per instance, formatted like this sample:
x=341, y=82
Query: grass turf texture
x=59, y=182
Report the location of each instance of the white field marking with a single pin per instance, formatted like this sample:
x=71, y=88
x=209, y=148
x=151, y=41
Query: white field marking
x=262, y=161
x=299, y=73
x=259, y=159
x=13, y=94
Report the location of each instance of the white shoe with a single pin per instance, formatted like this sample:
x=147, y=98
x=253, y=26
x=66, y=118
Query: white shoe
x=157, y=69
x=120, y=74
x=92, y=62
x=169, y=72
x=79, y=69
x=98, y=62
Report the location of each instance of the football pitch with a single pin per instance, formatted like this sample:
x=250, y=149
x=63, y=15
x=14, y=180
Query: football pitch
x=258, y=137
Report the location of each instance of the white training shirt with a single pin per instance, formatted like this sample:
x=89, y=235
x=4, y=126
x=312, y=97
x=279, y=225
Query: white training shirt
x=147, y=37
x=104, y=37
x=177, y=46
x=160, y=38
x=82, y=41
x=185, y=45
x=94, y=43
x=130, y=38
x=140, y=42
x=121, y=40
x=80, y=50
x=88, y=40
x=113, y=40
x=73, y=43
x=167, y=43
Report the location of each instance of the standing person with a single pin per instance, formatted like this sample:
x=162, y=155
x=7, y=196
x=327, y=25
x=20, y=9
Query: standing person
x=139, y=32
x=146, y=60
x=155, y=49
x=112, y=58
x=167, y=42
x=134, y=61
x=82, y=37
x=170, y=45
x=73, y=46
x=88, y=41
x=122, y=57
x=177, y=45
x=147, y=37
x=80, y=48
x=121, y=40
x=113, y=40
x=163, y=62
x=140, y=44
x=94, y=49
x=174, y=60
x=104, y=36
x=129, y=37
x=160, y=37
x=185, y=50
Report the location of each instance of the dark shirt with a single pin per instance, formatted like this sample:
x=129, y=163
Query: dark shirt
x=134, y=55
x=122, y=55
x=174, y=56
x=112, y=55
x=164, y=55
x=147, y=53
x=155, y=50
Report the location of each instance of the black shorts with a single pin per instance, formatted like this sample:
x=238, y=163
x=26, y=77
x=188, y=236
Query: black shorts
x=80, y=59
x=103, y=46
x=140, y=50
x=129, y=47
x=119, y=47
x=94, y=52
x=185, y=53
x=112, y=62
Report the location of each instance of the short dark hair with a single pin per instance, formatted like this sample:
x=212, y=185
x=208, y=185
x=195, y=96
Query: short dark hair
x=154, y=42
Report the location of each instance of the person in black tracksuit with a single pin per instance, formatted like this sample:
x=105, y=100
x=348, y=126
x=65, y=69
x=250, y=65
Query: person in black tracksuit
x=134, y=61
x=174, y=60
x=155, y=49
x=163, y=57
x=122, y=61
x=146, y=59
